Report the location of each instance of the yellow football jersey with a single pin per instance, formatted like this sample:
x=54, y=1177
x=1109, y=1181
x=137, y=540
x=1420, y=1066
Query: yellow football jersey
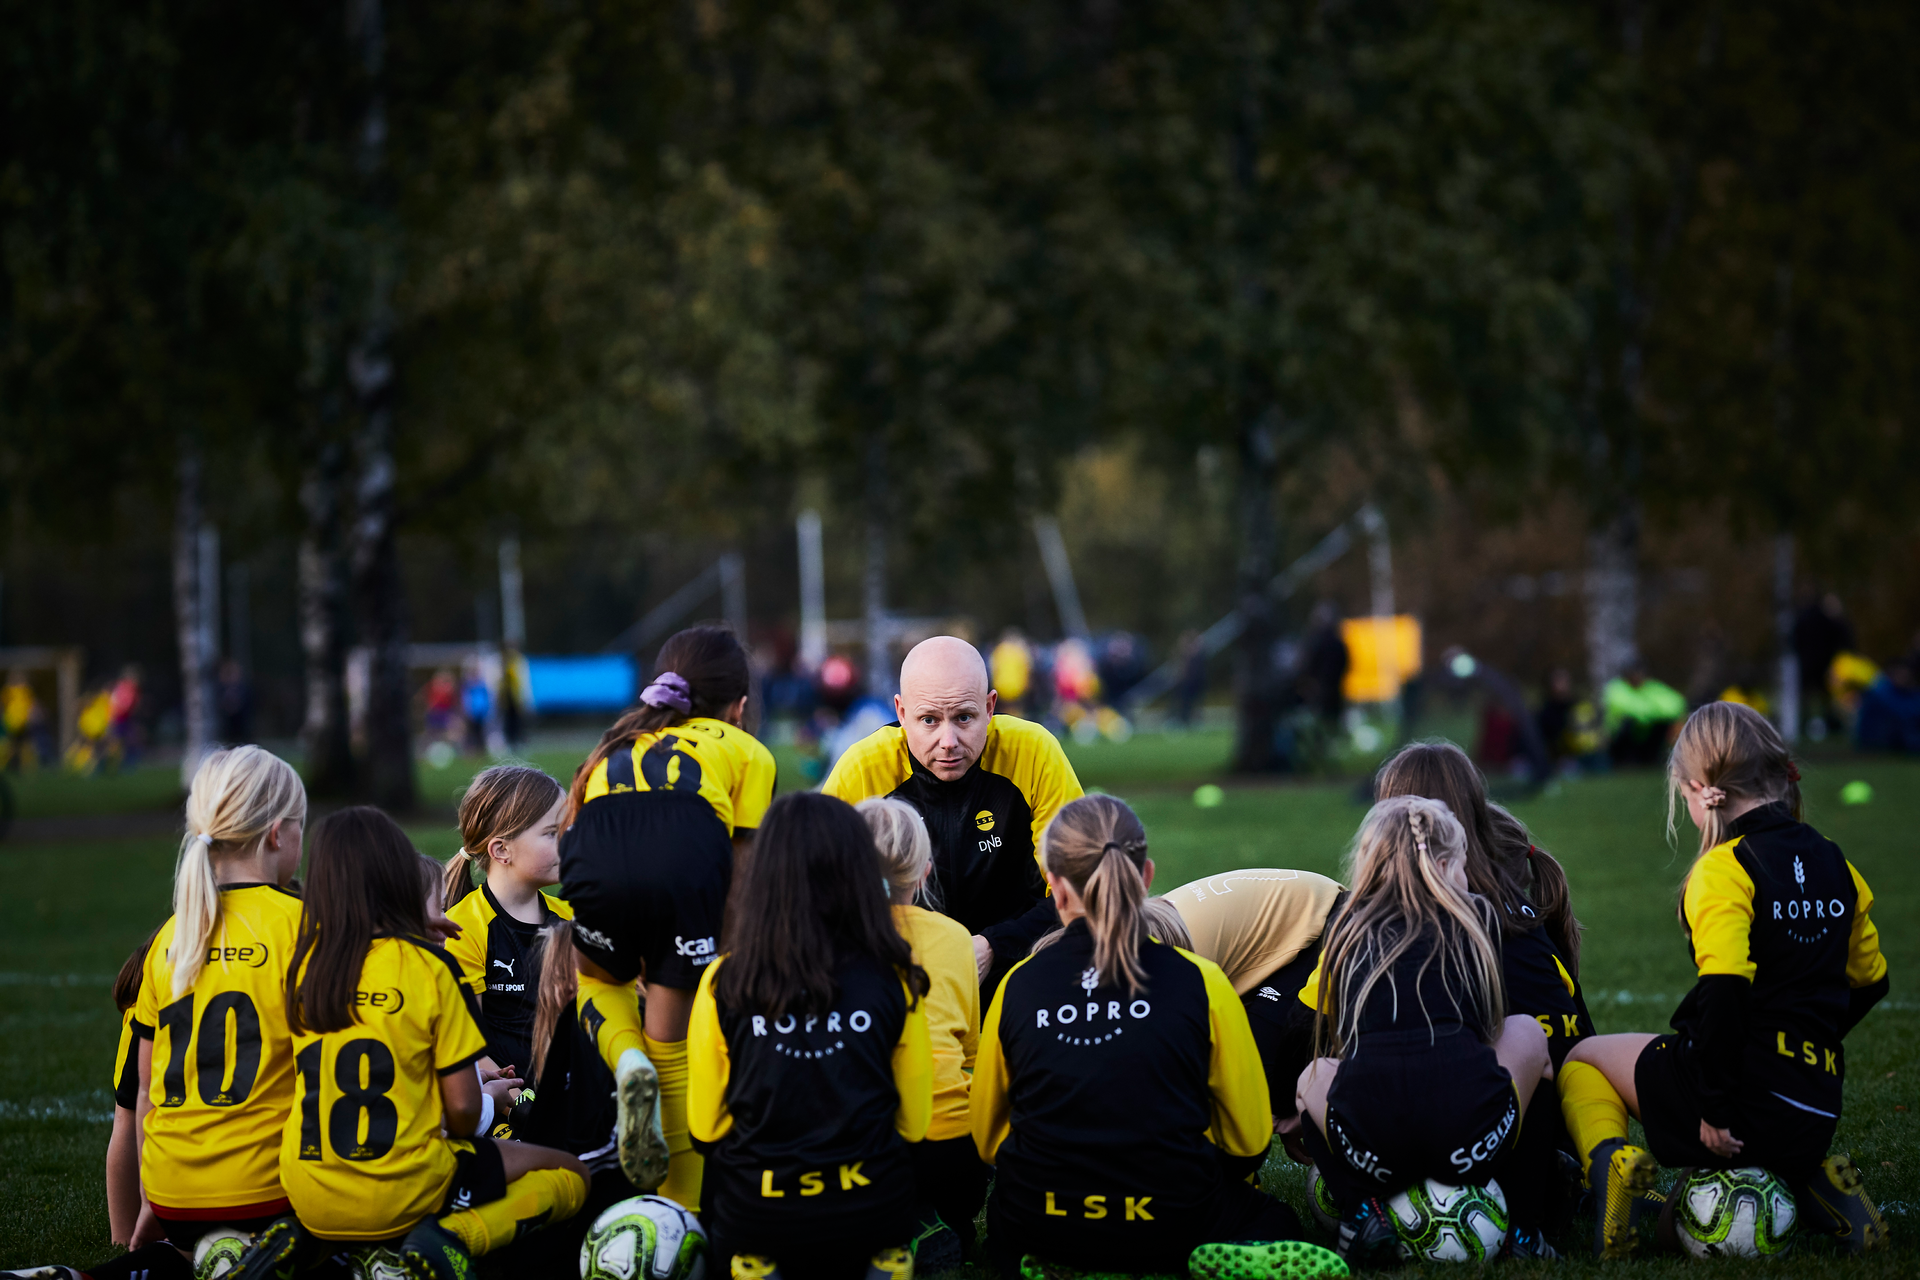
x=363, y=1156
x=727, y=766
x=222, y=1077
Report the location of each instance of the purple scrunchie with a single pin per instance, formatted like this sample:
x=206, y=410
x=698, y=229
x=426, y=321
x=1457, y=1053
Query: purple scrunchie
x=669, y=689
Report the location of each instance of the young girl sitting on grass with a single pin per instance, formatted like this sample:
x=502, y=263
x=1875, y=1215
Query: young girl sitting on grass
x=1422, y=1074
x=380, y=1149
x=510, y=836
x=811, y=1071
x=1117, y=1081
x=1776, y=922
x=953, y=1182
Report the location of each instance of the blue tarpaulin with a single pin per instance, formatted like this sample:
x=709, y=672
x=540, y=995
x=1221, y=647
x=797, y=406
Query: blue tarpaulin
x=595, y=682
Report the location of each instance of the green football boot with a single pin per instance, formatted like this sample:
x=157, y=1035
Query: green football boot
x=1273, y=1260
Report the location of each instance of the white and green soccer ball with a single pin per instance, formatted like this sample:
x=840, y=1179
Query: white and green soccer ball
x=1320, y=1201
x=1733, y=1213
x=378, y=1262
x=219, y=1251
x=1439, y=1223
x=644, y=1238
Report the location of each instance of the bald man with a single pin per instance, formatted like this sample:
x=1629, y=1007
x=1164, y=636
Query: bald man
x=987, y=786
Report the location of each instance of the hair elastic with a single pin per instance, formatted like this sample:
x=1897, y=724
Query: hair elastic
x=1712, y=797
x=1419, y=835
x=205, y=839
x=669, y=689
x=1793, y=771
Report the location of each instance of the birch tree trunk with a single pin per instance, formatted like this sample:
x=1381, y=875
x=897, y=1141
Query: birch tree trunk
x=378, y=590
x=324, y=733
x=1613, y=595
x=196, y=660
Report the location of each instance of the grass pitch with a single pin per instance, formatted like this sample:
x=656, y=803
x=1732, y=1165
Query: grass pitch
x=82, y=895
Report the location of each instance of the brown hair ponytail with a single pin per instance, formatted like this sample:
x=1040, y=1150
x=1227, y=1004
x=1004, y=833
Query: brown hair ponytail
x=559, y=981
x=499, y=804
x=1544, y=879
x=1097, y=845
x=711, y=674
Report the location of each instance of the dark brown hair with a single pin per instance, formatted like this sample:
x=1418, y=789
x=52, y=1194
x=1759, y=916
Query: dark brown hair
x=811, y=896
x=126, y=984
x=1441, y=771
x=363, y=882
x=1544, y=879
x=714, y=665
x=499, y=804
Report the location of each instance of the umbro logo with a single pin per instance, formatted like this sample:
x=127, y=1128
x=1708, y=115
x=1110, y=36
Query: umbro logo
x=1268, y=993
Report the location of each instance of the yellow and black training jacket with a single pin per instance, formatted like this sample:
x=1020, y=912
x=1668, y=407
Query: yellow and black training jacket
x=1107, y=1112
x=500, y=958
x=805, y=1117
x=985, y=825
x=1789, y=960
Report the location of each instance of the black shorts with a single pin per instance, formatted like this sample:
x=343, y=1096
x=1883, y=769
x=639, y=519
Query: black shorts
x=1778, y=1135
x=479, y=1175
x=1238, y=1213
x=1404, y=1110
x=647, y=874
x=952, y=1180
x=1282, y=1026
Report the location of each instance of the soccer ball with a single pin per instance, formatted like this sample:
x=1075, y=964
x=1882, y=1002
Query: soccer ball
x=1320, y=1200
x=219, y=1251
x=1439, y=1223
x=645, y=1238
x=1733, y=1213
x=378, y=1262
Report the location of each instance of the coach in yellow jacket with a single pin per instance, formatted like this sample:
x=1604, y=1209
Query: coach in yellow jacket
x=987, y=786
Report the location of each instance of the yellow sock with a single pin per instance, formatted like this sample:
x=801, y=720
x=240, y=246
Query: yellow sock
x=685, y=1166
x=1593, y=1110
x=610, y=1011
x=532, y=1200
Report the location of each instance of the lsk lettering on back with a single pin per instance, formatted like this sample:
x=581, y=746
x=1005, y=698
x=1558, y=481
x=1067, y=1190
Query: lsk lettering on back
x=1095, y=1207
x=1809, y=1053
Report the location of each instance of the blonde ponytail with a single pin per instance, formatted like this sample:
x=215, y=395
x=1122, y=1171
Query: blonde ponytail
x=1097, y=845
x=1731, y=749
x=457, y=880
x=559, y=982
x=236, y=797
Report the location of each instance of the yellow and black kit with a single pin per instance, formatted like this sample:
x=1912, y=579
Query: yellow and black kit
x=1789, y=961
x=126, y=1066
x=221, y=1082
x=1113, y=1117
x=805, y=1118
x=1417, y=1094
x=500, y=957
x=985, y=825
x=648, y=862
x=952, y=1180
x=363, y=1156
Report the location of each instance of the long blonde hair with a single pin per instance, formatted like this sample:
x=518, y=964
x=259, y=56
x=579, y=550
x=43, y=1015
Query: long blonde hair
x=906, y=850
x=1097, y=845
x=1165, y=923
x=1735, y=748
x=237, y=795
x=559, y=982
x=1400, y=897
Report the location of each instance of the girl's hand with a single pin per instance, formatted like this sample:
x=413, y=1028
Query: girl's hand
x=488, y=1073
x=147, y=1228
x=505, y=1092
x=1720, y=1141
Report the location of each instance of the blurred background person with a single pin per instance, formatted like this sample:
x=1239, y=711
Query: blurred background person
x=233, y=695
x=1011, y=664
x=1192, y=685
x=1324, y=664
x=1641, y=713
x=1821, y=632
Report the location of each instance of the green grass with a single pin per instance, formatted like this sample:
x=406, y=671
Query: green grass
x=78, y=908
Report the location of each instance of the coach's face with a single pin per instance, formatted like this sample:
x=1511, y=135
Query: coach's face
x=944, y=705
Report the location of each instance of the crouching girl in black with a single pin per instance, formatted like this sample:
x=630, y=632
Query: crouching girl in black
x=1118, y=1091
x=1421, y=1074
